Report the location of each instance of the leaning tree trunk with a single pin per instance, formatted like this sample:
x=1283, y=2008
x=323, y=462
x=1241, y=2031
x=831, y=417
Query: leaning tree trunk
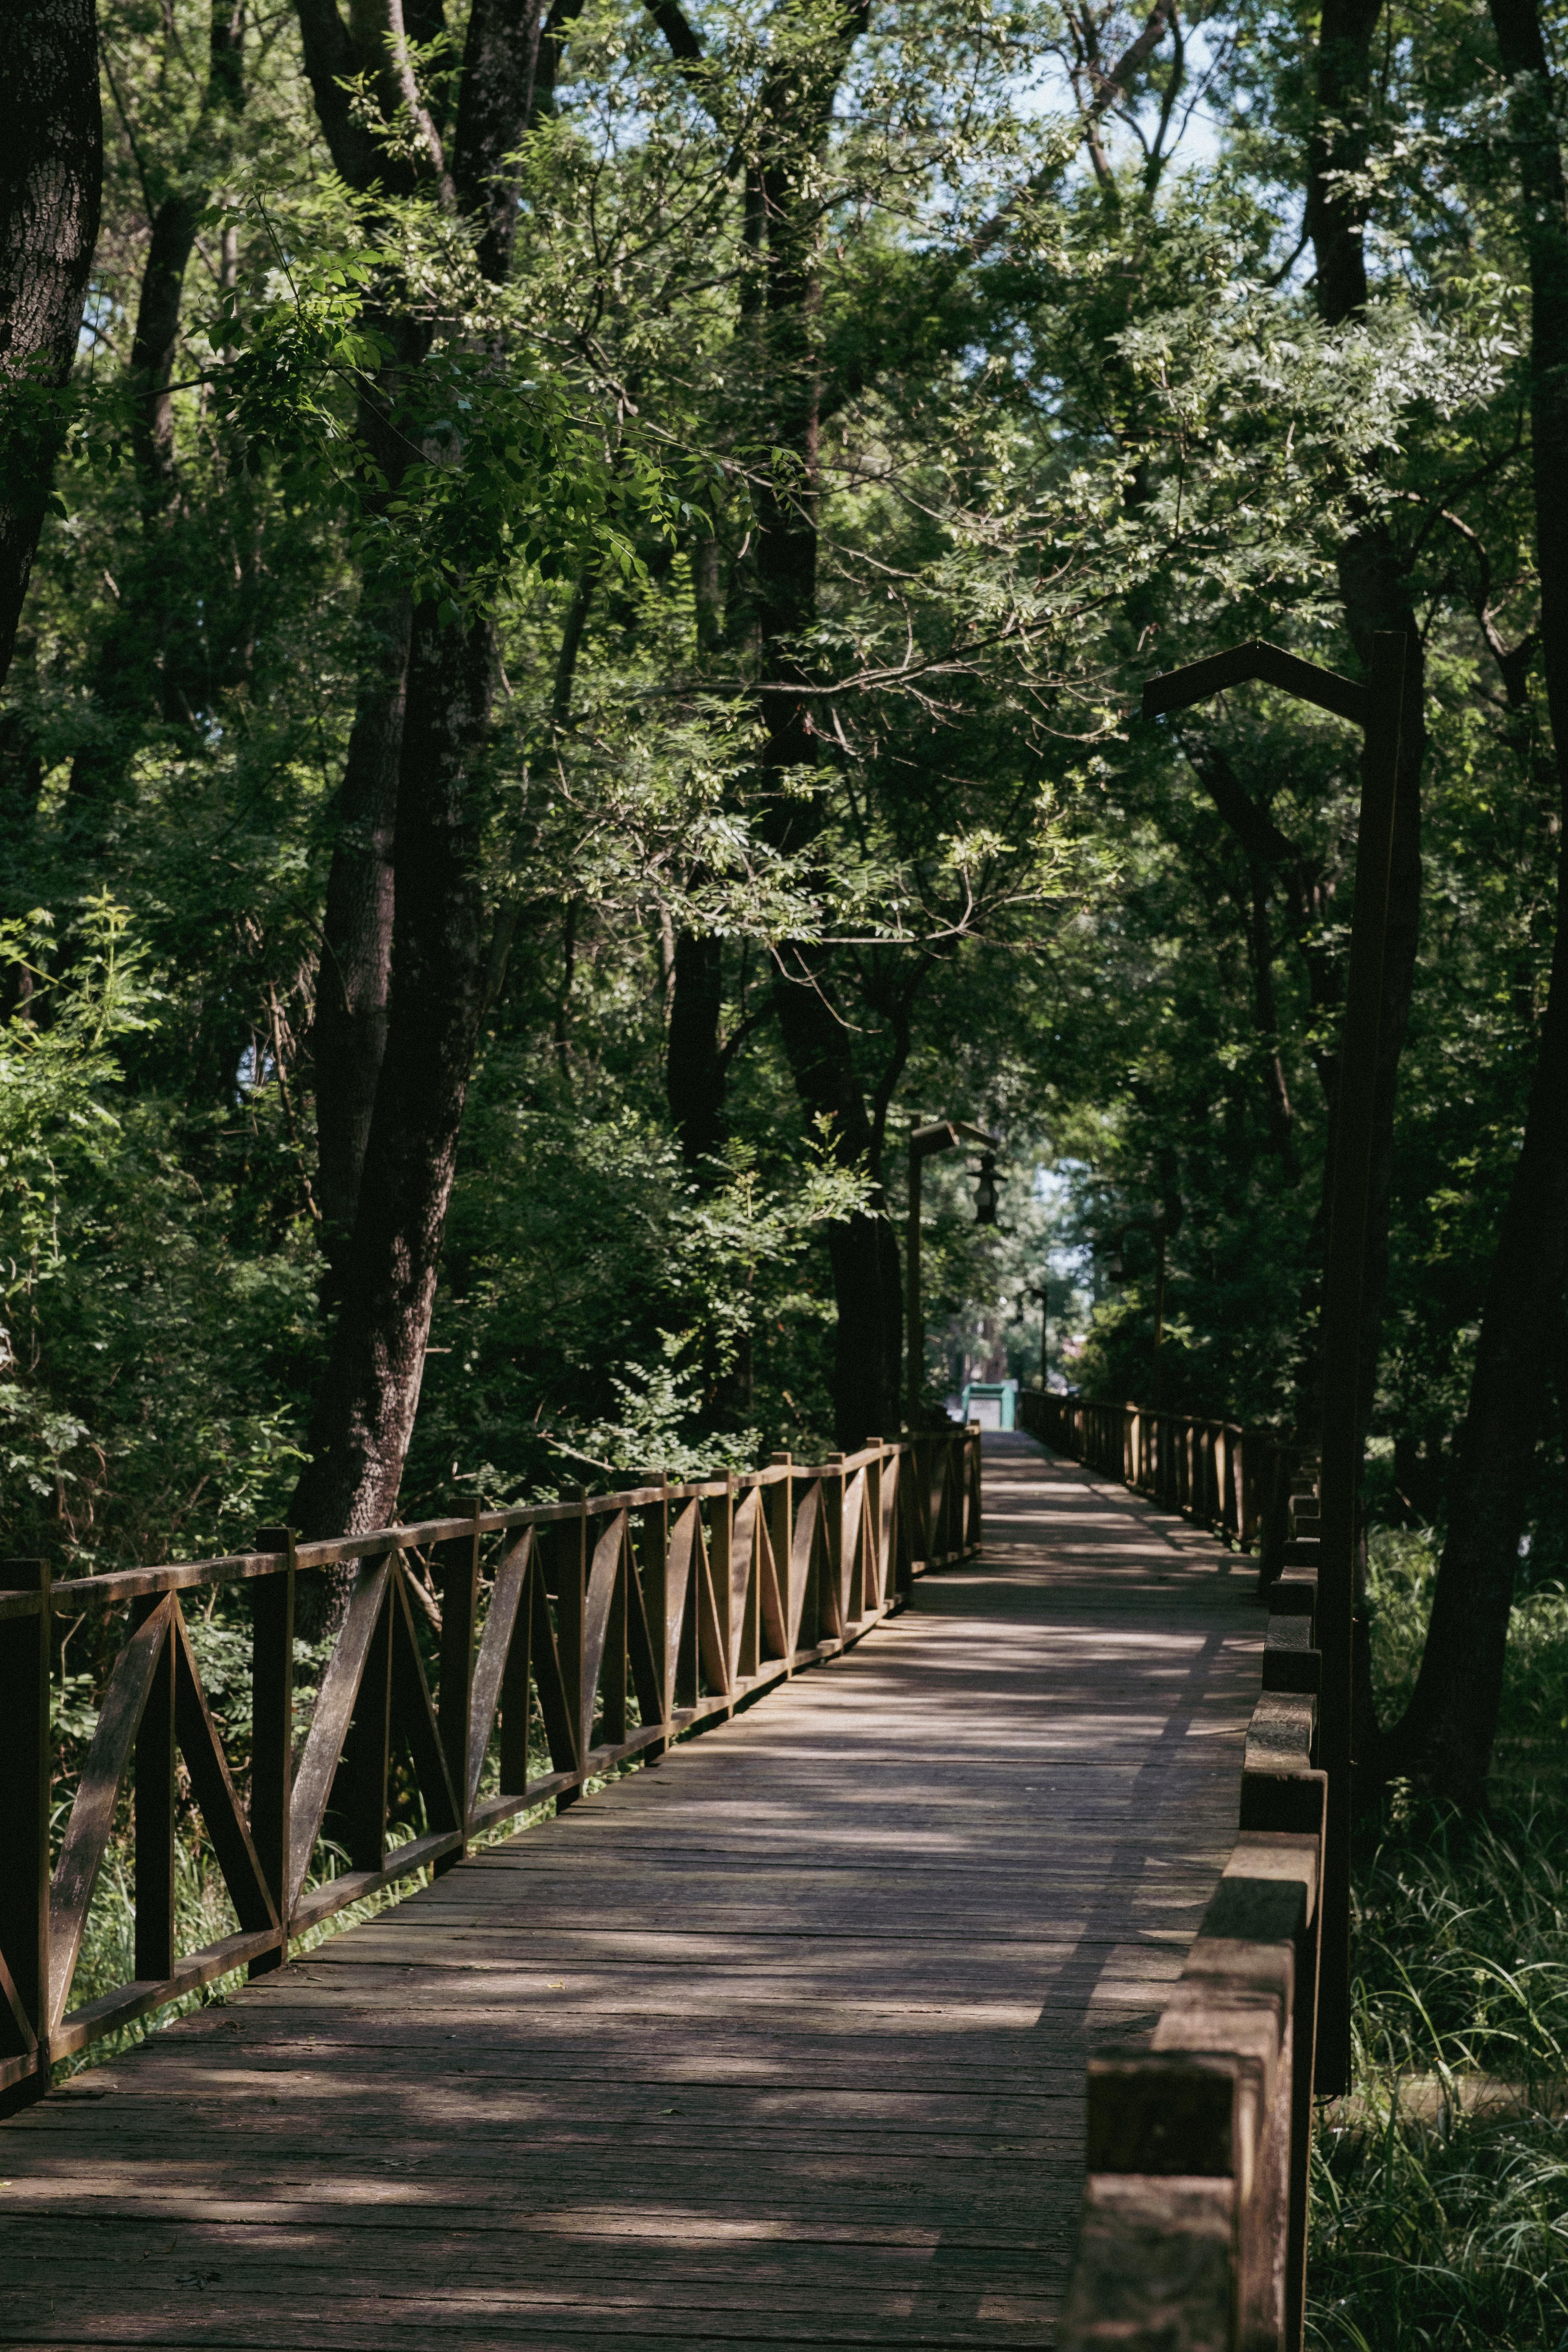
x=364, y=1409
x=1447, y=1735
x=511, y=59
x=368, y=1397
x=51, y=177
x=694, y=1058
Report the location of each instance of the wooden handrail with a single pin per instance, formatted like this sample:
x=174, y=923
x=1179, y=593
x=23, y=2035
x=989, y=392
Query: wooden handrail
x=1194, y=2219
x=684, y=1602
x=1222, y=1476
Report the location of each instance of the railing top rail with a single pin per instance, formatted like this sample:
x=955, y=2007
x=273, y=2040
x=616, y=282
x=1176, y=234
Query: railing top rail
x=1056, y=1401
x=112, y=1586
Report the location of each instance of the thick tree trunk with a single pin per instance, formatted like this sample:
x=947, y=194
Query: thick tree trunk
x=152, y=347
x=349, y=1032
x=511, y=59
x=353, y=987
x=694, y=1066
x=369, y=1395
x=51, y=176
x=1375, y=593
x=1447, y=1735
x=864, y=1252
x=364, y=1411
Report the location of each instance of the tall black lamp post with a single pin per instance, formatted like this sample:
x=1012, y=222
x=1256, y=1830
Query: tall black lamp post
x=939, y=1135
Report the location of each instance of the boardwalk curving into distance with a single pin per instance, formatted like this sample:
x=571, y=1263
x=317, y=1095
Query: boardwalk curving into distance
x=779, y=2043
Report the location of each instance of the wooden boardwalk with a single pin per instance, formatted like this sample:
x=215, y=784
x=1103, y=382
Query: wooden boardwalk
x=781, y=2044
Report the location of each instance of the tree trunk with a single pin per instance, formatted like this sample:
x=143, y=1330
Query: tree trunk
x=174, y=227
x=863, y=1250
x=50, y=188
x=157, y=333
x=348, y=1033
x=364, y=1411
x=695, y=1064
x=864, y=1254
x=1375, y=593
x=1447, y=1735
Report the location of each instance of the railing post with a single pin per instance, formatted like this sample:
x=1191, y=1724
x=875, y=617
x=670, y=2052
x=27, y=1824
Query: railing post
x=458, y=1570
x=906, y=1515
x=153, y=1822
x=721, y=1537
x=367, y=1748
x=569, y=1540
x=272, y=1728
x=25, y=1774
x=780, y=1536
x=516, y=1683
x=974, y=1466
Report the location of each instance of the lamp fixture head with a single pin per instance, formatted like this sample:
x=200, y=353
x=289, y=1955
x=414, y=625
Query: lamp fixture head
x=985, y=1190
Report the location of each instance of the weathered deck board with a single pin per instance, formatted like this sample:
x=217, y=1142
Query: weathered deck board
x=779, y=2044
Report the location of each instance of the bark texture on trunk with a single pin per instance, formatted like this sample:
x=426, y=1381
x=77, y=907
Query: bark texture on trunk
x=348, y=1036
x=1375, y=593
x=365, y=1412
x=868, y=1354
x=354, y=986
x=174, y=227
x=1447, y=1735
x=51, y=176
x=425, y=723
x=863, y=1250
x=511, y=60
x=694, y=1065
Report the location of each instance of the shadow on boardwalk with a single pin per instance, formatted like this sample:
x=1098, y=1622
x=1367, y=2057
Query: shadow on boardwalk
x=781, y=2044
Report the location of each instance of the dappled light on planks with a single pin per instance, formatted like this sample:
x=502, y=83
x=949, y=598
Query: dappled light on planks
x=780, y=2043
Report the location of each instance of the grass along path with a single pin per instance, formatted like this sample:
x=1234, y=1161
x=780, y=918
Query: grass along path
x=1441, y=2184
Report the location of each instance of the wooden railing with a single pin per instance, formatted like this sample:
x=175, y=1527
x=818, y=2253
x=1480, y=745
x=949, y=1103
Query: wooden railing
x=1232, y=1480
x=1195, y=2216
x=617, y=1622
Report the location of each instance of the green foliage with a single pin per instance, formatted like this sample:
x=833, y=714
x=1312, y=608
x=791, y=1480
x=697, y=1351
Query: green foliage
x=1076, y=425
x=1440, y=2185
x=502, y=475
x=130, y=1417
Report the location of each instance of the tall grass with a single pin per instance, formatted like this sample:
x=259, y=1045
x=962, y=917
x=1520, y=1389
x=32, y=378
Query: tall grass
x=1440, y=2214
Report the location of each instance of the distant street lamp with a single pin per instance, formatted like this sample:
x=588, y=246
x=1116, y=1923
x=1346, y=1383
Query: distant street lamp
x=985, y=1190
x=941, y=1135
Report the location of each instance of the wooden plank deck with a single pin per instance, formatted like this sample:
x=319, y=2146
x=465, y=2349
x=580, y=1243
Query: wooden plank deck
x=781, y=2044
